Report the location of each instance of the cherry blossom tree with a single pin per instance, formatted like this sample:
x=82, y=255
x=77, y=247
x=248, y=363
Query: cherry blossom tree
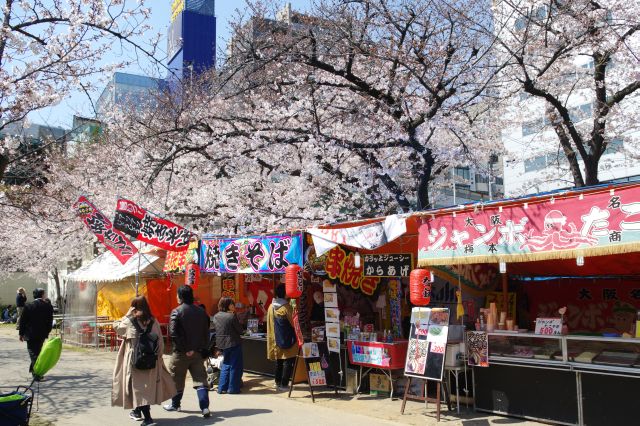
x=354, y=110
x=389, y=83
x=49, y=48
x=573, y=66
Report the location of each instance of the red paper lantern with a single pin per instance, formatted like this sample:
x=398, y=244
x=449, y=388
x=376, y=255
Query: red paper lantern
x=192, y=275
x=420, y=287
x=293, y=281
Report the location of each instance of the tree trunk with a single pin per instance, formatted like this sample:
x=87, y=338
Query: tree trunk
x=4, y=162
x=591, y=171
x=565, y=143
x=56, y=279
x=423, y=183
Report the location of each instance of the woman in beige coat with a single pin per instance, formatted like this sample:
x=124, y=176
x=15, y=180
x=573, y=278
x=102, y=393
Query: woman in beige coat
x=132, y=387
x=282, y=312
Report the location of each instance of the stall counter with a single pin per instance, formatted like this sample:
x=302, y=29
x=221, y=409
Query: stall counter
x=562, y=379
x=254, y=356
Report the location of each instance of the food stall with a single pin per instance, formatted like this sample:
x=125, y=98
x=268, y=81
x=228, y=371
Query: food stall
x=570, y=259
x=250, y=267
x=368, y=263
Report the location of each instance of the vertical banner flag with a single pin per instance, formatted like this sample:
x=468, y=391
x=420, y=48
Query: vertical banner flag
x=139, y=223
x=98, y=223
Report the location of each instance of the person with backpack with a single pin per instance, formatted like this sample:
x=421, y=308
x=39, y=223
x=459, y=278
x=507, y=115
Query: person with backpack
x=281, y=338
x=228, y=332
x=140, y=378
x=189, y=332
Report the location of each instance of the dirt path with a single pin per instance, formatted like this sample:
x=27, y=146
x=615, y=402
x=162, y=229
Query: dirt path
x=77, y=392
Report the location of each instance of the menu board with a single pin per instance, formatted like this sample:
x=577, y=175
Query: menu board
x=427, y=343
x=478, y=348
x=316, y=359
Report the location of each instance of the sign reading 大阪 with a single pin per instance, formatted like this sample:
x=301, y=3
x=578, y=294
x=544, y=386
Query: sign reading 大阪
x=549, y=326
x=145, y=226
x=387, y=265
x=251, y=255
x=602, y=222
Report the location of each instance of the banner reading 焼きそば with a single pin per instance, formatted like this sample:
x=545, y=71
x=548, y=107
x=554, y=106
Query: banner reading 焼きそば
x=588, y=224
x=251, y=255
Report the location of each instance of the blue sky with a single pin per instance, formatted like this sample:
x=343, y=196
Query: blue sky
x=62, y=114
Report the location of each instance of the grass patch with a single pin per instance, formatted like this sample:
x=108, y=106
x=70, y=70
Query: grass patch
x=73, y=348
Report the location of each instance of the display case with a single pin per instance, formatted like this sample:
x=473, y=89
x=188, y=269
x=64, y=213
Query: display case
x=606, y=354
x=571, y=377
x=526, y=348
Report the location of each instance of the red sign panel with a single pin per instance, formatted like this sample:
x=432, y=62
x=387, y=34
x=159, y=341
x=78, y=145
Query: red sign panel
x=603, y=222
x=139, y=223
x=98, y=223
x=593, y=306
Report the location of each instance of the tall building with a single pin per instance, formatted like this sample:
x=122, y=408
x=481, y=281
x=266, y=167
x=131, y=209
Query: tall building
x=191, y=50
x=191, y=41
x=128, y=90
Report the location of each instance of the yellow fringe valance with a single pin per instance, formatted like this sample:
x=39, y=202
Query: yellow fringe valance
x=532, y=257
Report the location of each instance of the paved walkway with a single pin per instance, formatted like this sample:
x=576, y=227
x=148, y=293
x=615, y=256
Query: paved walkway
x=77, y=392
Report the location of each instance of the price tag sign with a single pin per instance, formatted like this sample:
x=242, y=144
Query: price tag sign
x=549, y=326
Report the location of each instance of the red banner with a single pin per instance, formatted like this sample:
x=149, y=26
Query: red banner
x=139, y=223
x=98, y=223
x=593, y=306
x=571, y=224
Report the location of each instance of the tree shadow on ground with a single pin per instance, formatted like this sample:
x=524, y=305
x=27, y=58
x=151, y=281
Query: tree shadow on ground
x=194, y=417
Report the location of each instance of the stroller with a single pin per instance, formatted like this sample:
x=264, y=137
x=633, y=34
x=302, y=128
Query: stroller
x=212, y=362
x=15, y=407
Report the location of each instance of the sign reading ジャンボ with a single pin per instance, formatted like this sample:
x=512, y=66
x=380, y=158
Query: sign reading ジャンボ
x=597, y=222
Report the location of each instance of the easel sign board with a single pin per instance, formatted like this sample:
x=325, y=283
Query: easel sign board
x=318, y=367
x=427, y=343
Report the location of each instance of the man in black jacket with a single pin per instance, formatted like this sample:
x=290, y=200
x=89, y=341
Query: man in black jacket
x=189, y=332
x=35, y=324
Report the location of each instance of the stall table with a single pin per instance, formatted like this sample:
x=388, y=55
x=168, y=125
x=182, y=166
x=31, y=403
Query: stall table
x=381, y=356
x=254, y=356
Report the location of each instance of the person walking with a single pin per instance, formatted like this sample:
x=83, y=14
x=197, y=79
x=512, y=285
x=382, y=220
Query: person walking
x=21, y=301
x=281, y=338
x=138, y=380
x=228, y=331
x=35, y=324
x=189, y=332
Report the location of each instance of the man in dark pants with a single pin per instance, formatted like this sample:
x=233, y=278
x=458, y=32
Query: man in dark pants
x=189, y=332
x=35, y=324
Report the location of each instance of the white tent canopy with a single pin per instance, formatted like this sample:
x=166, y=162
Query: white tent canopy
x=107, y=267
